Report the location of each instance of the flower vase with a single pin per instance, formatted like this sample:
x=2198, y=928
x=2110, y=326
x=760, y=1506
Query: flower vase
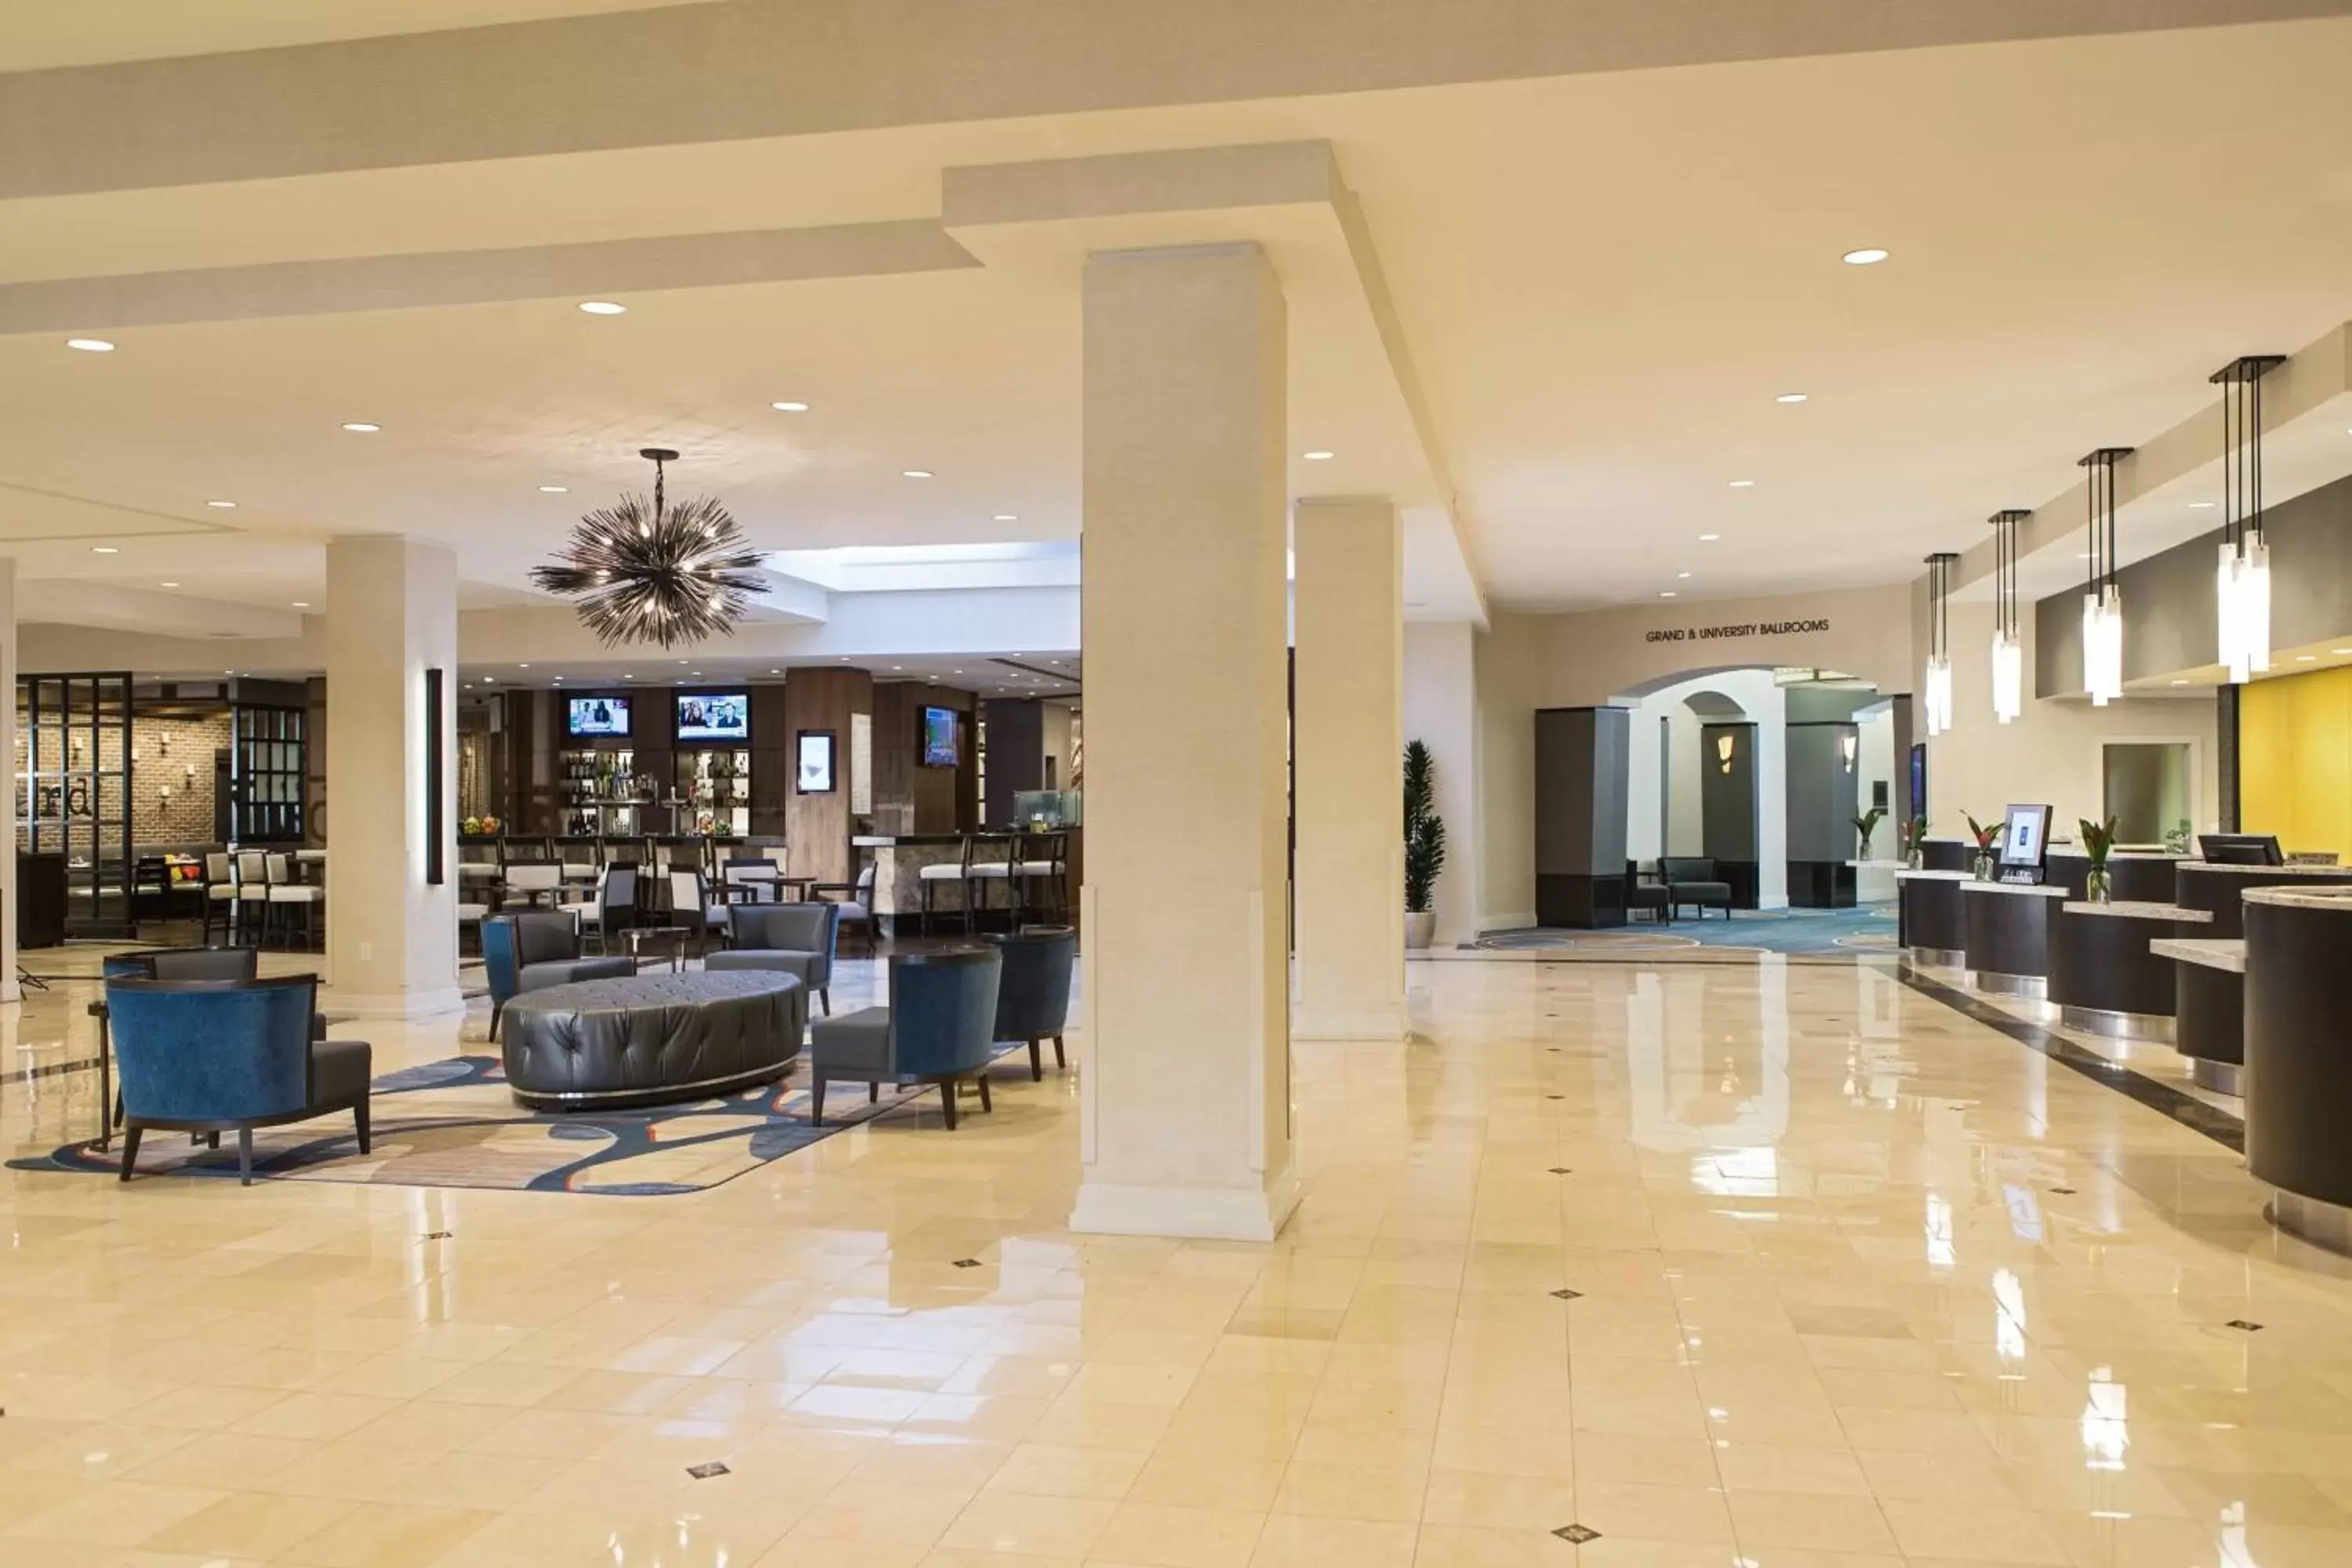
x=1918, y=858
x=2099, y=887
x=1984, y=866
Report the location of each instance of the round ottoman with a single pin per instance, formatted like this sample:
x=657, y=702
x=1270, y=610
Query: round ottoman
x=646, y=1039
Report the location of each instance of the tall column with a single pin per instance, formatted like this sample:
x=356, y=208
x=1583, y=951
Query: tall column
x=1185, y=1103
x=391, y=616
x=1348, y=733
x=9, y=990
x=1441, y=709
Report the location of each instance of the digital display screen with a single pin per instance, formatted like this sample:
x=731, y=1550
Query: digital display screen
x=2026, y=837
x=726, y=716
x=597, y=716
x=939, y=737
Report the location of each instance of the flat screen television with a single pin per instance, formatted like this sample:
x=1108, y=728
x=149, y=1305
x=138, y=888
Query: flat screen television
x=939, y=737
x=714, y=716
x=2241, y=848
x=586, y=717
x=2025, y=836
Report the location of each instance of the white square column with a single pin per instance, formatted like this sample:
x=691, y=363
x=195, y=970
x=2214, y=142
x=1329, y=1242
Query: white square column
x=391, y=615
x=1349, y=731
x=1185, y=1088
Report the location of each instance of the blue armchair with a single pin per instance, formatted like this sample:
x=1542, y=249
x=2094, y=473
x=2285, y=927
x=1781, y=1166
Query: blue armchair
x=789, y=939
x=534, y=950
x=210, y=1056
x=1032, y=999
x=937, y=1029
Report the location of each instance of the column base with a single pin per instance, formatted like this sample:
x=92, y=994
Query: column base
x=1195, y=1213
x=1387, y=1025
x=2221, y=1078
x=405, y=1007
x=2318, y=1222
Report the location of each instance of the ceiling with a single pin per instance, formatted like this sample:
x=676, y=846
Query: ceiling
x=1601, y=282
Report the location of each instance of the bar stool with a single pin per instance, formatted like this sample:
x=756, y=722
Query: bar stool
x=252, y=894
x=1043, y=857
x=220, y=895
x=533, y=879
x=984, y=874
x=289, y=893
x=945, y=873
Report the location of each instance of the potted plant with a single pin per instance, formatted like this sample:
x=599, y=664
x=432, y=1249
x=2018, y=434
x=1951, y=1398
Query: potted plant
x=2098, y=837
x=1424, y=845
x=1863, y=826
x=1915, y=851
x=1987, y=835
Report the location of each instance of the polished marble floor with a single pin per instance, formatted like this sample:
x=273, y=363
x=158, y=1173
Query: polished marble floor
x=1859, y=1281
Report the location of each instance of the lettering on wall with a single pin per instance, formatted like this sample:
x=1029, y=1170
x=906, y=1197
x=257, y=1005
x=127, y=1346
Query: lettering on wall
x=1739, y=629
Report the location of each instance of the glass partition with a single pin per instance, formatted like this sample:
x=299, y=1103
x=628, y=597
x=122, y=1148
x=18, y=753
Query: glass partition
x=73, y=792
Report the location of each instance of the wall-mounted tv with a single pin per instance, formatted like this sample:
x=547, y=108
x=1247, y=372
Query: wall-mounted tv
x=588, y=717
x=714, y=716
x=939, y=737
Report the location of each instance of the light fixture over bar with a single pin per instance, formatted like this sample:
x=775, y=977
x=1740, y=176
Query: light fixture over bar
x=2008, y=642
x=2242, y=580
x=1937, y=688
x=2102, y=600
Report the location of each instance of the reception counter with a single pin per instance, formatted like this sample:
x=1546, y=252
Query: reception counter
x=2217, y=888
x=2007, y=935
x=2298, y=1079
x=2208, y=1003
x=2133, y=877
x=1929, y=924
x=2104, y=976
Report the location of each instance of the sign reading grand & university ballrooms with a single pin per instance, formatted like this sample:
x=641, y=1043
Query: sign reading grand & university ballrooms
x=1739, y=629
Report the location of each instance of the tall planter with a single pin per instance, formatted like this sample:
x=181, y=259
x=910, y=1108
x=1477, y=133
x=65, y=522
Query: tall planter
x=1424, y=846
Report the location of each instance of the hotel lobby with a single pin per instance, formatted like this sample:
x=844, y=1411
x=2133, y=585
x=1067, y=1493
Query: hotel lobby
x=585, y=580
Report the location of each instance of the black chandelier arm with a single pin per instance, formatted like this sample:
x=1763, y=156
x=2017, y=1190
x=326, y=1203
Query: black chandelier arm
x=642, y=571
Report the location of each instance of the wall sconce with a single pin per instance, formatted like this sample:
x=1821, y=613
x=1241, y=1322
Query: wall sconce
x=1724, y=746
x=1850, y=746
x=165, y=795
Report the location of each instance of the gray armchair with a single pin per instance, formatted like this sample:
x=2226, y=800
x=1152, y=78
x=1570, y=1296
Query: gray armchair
x=534, y=950
x=1691, y=880
x=936, y=1030
x=783, y=939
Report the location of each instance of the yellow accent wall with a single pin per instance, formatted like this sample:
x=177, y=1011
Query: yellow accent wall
x=2294, y=760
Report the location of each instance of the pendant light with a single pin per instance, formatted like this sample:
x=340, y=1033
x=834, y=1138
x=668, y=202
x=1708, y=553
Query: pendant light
x=2103, y=599
x=2241, y=582
x=2008, y=643
x=1937, y=686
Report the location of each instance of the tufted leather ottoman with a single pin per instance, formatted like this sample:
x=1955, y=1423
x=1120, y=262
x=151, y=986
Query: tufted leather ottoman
x=649, y=1038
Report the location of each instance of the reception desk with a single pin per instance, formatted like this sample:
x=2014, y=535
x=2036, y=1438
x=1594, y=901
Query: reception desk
x=2208, y=1007
x=2298, y=1079
x=1929, y=923
x=2105, y=978
x=2007, y=935
x=2133, y=877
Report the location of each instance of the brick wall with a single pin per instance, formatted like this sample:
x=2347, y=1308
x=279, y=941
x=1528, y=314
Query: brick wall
x=163, y=750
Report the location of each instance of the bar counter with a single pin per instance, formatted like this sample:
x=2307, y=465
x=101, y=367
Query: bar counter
x=2104, y=976
x=900, y=859
x=2007, y=928
x=2298, y=1078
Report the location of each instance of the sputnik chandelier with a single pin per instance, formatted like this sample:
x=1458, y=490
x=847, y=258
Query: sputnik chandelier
x=1937, y=686
x=2103, y=599
x=2007, y=641
x=649, y=572
x=2242, y=581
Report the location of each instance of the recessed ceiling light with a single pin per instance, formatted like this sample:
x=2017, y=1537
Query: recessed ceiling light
x=915, y=473
x=1790, y=397
x=1667, y=593
x=2200, y=506
x=361, y=428
x=1868, y=256
x=1708, y=538
x=2340, y=652
x=1316, y=456
x=955, y=672
x=681, y=661
x=789, y=407
x=603, y=307
x=522, y=667
x=2306, y=658
x=104, y=550
x=698, y=675
x=775, y=673
x=2181, y=683
x=1743, y=484
x=1008, y=516
x=90, y=345
x=489, y=680
x=628, y=677
x=1682, y=574
x=301, y=603
x=554, y=489
x=167, y=584
x=224, y=505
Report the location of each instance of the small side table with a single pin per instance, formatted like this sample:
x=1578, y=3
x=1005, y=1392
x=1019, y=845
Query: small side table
x=673, y=937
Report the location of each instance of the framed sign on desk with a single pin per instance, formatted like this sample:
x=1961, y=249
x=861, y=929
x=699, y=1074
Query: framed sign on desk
x=813, y=761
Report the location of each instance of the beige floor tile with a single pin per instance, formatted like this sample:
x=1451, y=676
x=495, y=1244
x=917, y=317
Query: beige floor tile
x=388, y=1535
x=1158, y=1535
x=1030, y=1525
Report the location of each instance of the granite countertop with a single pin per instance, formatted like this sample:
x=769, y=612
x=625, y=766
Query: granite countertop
x=2041, y=890
x=2075, y=852
x=2335, y=898
x=1910, y=876
x=2140, y=910
x=2269, y=870
x=1880, y=865
x=2211, y=952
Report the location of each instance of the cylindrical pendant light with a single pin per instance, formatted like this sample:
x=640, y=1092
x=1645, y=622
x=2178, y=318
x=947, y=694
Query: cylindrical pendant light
x=2008, y=642
x=2102, y=600
x=2242, y=580
x=1935, y=688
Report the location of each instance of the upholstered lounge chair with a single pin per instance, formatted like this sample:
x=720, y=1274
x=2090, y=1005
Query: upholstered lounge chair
x=789, y=939
x=534, y=950
x=937, y=1029
x=1033, y=997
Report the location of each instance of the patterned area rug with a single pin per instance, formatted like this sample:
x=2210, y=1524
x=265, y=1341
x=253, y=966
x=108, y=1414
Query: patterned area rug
x=1831, y=934
x=452, y=1123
